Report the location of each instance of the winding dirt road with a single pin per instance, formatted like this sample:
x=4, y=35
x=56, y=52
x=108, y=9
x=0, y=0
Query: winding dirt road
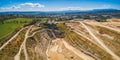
x=77, y=52
x=11, y=39
x=101, y=43
x=57, y=49
x=23, y=46
x=17, y=56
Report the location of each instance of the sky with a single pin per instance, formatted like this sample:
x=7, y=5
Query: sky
x=57, y=5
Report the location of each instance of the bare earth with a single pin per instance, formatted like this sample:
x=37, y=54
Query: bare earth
x=61, y=50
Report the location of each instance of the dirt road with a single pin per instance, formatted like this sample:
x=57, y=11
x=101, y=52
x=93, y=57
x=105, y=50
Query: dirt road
x=11, y=39
x=77, y=31
x=23, y=46
x=77, y=52
x=17, y=56
x=101, y=43
x=55, y=51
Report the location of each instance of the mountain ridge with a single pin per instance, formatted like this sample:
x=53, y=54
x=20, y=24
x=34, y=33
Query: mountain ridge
x=65, y=11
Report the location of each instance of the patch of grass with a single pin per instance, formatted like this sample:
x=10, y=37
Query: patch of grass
x=7, y=28
x=11, y=24
x=43, y=19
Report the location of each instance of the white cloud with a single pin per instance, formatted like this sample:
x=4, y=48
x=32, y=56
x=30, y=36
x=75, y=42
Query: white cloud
x=4, y=8
x=26, y=6
x=12, y=7
x=33, y=5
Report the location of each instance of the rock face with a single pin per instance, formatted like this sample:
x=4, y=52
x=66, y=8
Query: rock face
x=39, y=46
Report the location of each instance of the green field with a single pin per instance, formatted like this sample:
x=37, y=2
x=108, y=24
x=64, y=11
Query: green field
x=11, y=24
x=43, y=19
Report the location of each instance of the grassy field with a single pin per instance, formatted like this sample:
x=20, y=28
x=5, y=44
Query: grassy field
x=43, y=19
x=11, y=24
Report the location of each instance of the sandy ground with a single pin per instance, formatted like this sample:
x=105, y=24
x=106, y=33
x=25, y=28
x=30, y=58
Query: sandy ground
x=61, y=50
x=101, y=43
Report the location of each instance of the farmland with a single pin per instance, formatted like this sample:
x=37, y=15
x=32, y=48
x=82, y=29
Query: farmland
x=11, y=24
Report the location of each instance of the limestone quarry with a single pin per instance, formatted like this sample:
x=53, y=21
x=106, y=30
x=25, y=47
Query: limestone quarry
x=69, y=40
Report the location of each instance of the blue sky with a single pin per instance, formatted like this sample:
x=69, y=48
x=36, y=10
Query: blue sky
x=57, y=5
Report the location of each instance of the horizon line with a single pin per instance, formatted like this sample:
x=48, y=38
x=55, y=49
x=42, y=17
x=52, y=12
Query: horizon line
x=58, y=10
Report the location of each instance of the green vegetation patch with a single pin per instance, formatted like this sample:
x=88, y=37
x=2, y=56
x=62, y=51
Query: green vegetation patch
x=11, y=24
x=43, y=19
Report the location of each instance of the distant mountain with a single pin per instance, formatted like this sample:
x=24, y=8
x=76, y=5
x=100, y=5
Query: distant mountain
x=104, y=10
x=60, y=12
x=22, y=12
